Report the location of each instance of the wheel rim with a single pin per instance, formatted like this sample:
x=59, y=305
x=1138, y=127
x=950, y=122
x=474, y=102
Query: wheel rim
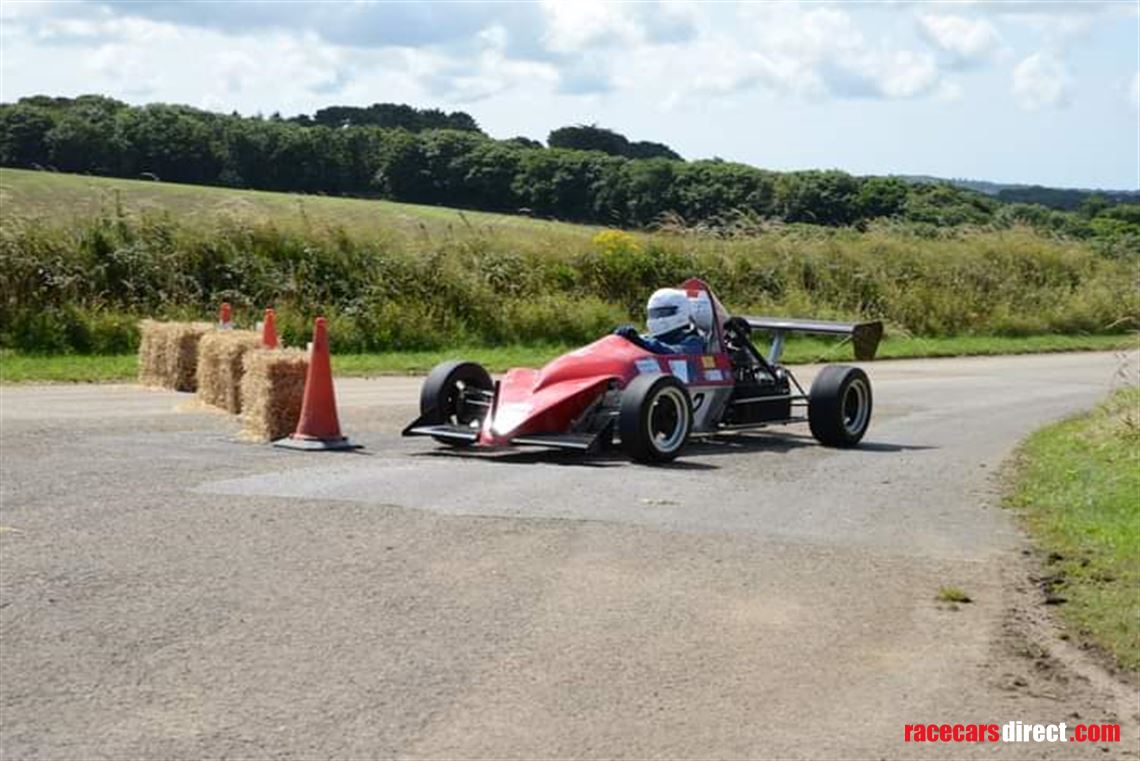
x=668, y=420
x=458, y=411
x=855, y=407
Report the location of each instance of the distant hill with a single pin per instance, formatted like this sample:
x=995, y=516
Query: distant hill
x=1055, y=198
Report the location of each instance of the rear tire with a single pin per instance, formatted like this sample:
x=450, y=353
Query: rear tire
x=449, y=394
x=839, y=406
x=655, y=418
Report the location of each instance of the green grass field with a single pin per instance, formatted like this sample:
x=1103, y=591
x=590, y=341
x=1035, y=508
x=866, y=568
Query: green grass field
x=1077, y=485
x=64, y=197
x=70, y=368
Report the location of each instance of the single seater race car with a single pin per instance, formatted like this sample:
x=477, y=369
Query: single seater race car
x=614, y=391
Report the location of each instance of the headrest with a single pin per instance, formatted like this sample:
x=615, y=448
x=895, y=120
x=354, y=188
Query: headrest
x=702, y=311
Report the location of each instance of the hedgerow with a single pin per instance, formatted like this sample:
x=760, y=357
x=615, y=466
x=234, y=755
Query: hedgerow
x=81, y=286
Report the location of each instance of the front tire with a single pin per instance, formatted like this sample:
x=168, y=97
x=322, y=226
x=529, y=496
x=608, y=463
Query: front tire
x=655, y=418
x=839, y=406
x=456, y=393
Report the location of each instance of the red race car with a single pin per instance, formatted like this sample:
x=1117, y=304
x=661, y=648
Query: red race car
x=616, y=390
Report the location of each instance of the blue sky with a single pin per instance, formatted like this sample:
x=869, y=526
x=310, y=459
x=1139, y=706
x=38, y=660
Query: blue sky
x=1037, y=92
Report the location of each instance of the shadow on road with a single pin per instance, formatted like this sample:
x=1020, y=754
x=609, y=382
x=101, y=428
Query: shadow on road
x=738, y=443
x=730, y=444
x=882, y=446
x=609, y=459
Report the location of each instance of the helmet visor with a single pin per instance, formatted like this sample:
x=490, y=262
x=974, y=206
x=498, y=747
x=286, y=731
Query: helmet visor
x=658, y=312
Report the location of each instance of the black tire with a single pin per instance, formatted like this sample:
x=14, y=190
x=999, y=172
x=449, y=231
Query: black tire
x=839, y=406
x=443, y=400
x=655, y=418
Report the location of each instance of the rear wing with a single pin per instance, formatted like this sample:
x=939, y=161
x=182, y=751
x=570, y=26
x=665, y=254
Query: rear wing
x=865, y=336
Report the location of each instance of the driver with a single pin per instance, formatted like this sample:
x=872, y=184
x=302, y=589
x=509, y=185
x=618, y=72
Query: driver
x=669, y=316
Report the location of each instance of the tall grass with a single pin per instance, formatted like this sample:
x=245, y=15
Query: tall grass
x=80, y=286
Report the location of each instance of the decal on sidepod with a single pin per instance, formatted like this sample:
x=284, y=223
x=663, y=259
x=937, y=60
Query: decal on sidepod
x=680, y=368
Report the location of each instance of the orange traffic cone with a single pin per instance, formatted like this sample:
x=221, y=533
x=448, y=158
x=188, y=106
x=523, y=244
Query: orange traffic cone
x=318, y=427
x=269, y=330
x=225, y=316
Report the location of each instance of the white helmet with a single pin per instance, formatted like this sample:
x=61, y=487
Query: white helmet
x=667, y=310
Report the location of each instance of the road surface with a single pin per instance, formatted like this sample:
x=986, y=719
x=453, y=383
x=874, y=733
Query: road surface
x=168, y=591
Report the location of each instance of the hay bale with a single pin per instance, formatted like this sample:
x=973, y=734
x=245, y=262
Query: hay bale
x=220, y=355
x=151, y=340
x=272, y=390
x=168, y=353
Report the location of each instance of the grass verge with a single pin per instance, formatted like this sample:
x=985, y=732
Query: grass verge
x=66, y=368
x=1077, y=486
x=16, y=367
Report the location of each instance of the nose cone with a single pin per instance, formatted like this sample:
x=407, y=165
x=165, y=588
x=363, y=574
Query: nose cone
x=610, y=356
x=550, y=399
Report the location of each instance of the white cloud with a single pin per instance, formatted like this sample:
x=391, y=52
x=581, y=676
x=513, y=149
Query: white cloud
x=309, y=66
x=670, y=21
x=464, y=81
x=967, y=40
x=904, y=74
x=129, y=71
x=1134, y=92
x=817, y=52
x=571, y=27
x=809, y=35
x=1040, y=81
x=465, y=52
x=870, y=74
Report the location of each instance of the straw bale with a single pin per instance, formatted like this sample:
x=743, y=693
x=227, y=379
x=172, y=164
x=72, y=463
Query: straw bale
x=168, y=353
x=151, y=340
x=220, y=355
x=272, y=390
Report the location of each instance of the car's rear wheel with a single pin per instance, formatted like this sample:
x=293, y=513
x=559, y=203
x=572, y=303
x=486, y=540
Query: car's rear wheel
x=655, y=418
x=839, y=406
x=458, y=394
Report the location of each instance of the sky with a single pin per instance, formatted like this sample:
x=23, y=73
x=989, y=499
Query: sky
x=1033, y=92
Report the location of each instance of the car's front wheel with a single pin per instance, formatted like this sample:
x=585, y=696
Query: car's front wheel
x=655, y=418
x=456, y=393
x=839, y=406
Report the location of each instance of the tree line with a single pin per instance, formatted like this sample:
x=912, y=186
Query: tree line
x=587, y=174
x=1067, y=199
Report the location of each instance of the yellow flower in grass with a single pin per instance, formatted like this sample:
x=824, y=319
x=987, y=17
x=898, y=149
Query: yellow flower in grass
x=616, y=242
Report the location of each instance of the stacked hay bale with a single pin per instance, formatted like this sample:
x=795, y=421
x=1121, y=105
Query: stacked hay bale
x=272, y=390
x=220, y=368
x=168, y=353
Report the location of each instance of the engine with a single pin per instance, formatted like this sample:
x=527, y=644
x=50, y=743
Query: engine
x=759, y=396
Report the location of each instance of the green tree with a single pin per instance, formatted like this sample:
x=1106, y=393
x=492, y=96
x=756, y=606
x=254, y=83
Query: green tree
x=23, y=129
x=823, y=198
x=82, y=138
x=881, y=197
x=646, y=149
x=589, y=137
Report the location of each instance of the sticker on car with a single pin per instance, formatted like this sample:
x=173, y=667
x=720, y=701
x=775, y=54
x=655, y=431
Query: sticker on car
x=680, y=368
x=647, y=366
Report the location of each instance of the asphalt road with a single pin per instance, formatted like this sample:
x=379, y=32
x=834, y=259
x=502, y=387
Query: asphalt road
x=167, y=591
